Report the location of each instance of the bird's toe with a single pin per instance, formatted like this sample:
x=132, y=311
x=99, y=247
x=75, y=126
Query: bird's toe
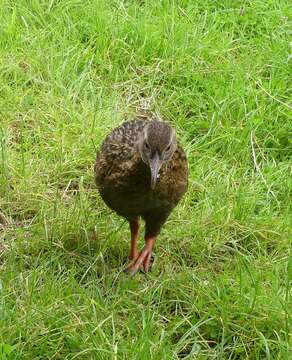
x=143, y=262
x=148, y=263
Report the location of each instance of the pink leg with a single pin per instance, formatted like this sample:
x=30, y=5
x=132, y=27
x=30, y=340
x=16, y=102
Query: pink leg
x=134, y=227
x=144, y=258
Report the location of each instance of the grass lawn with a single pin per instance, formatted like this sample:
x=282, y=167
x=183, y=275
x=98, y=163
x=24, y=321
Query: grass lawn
x=219, y=71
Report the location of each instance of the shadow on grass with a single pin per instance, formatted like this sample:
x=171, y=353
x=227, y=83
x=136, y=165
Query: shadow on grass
x=103, y=255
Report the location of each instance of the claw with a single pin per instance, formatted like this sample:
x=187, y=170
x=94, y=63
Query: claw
x=142, y=262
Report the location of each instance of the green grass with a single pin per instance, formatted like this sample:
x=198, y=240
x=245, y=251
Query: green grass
x=220, y=71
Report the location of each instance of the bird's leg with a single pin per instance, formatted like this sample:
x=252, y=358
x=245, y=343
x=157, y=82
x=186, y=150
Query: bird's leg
x=144, y=258
x=150, y=241
x=134, y=227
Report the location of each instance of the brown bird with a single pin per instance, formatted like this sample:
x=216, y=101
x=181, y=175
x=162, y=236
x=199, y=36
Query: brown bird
x=141, y=171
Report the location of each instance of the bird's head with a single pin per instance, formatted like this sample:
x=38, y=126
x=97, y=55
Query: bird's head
x=157, y=144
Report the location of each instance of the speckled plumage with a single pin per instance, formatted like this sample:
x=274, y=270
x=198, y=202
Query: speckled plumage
x=123, y=179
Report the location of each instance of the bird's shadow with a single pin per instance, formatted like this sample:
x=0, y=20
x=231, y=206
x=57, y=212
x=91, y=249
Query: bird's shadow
x=103, y=255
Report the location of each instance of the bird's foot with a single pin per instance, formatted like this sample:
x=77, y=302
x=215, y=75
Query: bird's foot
x=143, y=262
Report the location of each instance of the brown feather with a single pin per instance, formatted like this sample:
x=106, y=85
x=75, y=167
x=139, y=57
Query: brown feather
x=123, y=178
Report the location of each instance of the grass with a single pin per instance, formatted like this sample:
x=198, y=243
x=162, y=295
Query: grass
x=219, y=71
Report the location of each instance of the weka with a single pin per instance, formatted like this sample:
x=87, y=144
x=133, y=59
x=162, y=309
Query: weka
x=141, y=171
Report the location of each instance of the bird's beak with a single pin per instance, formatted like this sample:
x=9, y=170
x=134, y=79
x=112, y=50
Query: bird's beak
x=155, y=165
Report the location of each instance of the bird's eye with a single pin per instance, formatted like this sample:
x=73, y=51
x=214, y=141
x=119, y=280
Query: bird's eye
x=146, y=146
x=168, y=148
